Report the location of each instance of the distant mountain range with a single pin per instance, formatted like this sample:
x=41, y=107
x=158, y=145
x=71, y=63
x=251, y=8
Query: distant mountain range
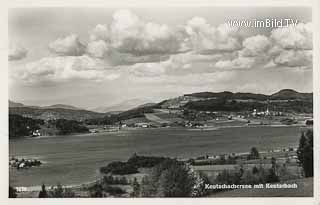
x=56, y=111
x=302, y=102
x=122, y=106
x=63, y=106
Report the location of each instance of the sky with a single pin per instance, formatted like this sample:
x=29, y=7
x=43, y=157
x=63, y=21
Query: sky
x=92, y=57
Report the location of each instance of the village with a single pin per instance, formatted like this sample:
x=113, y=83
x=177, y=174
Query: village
x=179, y=117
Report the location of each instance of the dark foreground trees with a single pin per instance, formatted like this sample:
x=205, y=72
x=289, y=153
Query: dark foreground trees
x=170, y=178
x=254, y=153
x=12, y=192
x=43, y=193
x=305, y=153
x=56, y=192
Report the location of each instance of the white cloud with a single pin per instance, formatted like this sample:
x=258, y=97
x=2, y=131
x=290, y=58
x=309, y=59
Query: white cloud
x=67, y=46
x=293, y=37
x=100, y=32
x=130, y=34
x=147, y=69
x=255, y=46
x=206, y=38
x=294, y=58
x=237, y=63
x=98, y=49
x=63, y=68
x=149, y=49
x=16, y=52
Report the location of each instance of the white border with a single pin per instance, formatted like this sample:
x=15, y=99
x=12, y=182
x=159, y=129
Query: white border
x=153, y=3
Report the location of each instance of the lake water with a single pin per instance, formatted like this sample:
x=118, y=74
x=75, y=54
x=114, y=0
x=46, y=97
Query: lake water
x=75, y=159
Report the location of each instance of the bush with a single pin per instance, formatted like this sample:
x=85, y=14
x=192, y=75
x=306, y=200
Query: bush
x=115, y=191
x=96, y=191
x=120, y=168
x=145, y=161
x=115, y=180
x=132, y=165
x=60, y=192
x=254, y=154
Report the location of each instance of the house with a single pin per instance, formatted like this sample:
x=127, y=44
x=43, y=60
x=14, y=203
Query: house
x=36, y=133
x=142, y=124
x=22, y=165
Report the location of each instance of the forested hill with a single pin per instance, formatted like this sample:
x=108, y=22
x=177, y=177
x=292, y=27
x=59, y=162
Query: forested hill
x=285, y=94
x=55, y=113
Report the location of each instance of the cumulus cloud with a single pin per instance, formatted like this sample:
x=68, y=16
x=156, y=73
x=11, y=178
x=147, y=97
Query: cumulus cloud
x=67, y=46
x=294, y=37
x=294, y=58
x=205, y=38
x=130, y=34
x=255, y=46
x=17, y=52
x=286, y=47
x=292, y=46
x=62, y=68
x=150, y=49
x=237, y=63
x=100, y=32
x=98, y=49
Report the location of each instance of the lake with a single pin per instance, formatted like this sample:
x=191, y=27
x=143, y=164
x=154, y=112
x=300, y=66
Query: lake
x=75, y=159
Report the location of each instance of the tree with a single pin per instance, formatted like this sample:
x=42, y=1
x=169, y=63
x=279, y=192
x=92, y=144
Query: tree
x=254, y=153
x=43, y=193
x=272, y=177
x=136, y=188
x=199, y=188
x=60, y=192
x=175, y=181
x=305, y=153
x=12, y=192
x=170, y=178
x=255, y=170
x=96, y=191
x=300, y=150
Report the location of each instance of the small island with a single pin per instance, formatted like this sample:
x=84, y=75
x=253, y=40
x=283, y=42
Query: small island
x=23, y=163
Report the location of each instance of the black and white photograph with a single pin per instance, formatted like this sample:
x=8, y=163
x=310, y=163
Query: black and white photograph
x=170, y=101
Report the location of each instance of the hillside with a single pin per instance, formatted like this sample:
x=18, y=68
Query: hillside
x=54, y=113
x=288, y=94
x=122, y=106
x=15, y=104
x=285, y=94
x=63, y=106
x=283, y=101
